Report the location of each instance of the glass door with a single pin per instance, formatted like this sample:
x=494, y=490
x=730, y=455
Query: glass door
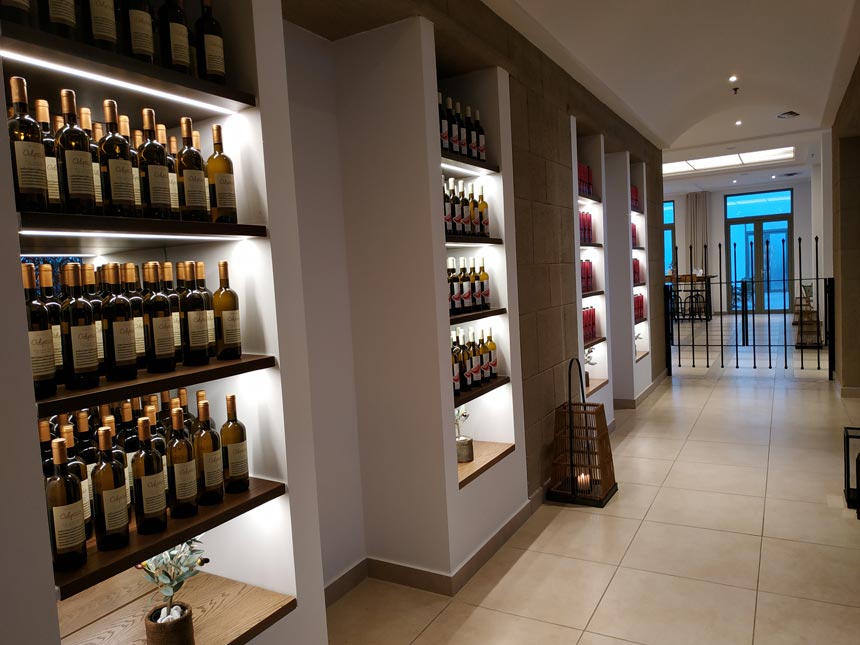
x=759, y=264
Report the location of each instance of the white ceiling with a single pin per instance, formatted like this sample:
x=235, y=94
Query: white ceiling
x=663, y=65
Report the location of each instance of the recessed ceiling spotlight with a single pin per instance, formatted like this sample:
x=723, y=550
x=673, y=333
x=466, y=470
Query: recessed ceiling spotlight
x=734, y=181
x=733, y=78
x=739, y=122
x=773, y=176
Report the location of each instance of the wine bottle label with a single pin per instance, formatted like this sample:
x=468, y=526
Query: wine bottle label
x=179, y=44
x=467, y=374
x=159, y=185
x=198, y=330
x=103, y=20
x=53, y=179
x=164, y=472
x=129, y=479
x=213, y=469
x=42, y=353
x=57, y=336
x=174, y=192
x=69, y=531
x=464, y=141
x=86, y=497
x=467, y=221
x=225, y=190
x=485, y=296
x=454, y=139
x=97, y=182
x=482, y=147
x=449, y=218
x=62, y=11
x=237, y=459
x=152, y=491
x=455, y=369
x=458, y=218
x=124, y=344
x=477, y=293
x=85, y=351
x=455, y=295
x=473, y=145
x=214, y=48
x=476, y=369
x=121, y=178
x=177, y=330
x=139, y=336
x=485, y=219
x=162, y=336
x=135, y=174
x=185, y=478
x=90, y=469
x=115, y=510
x=466, y=293
x=444, y=133
x=231, y=327
x=494, y=364
x=24, y=5
x=194, y=187
x=210, y=326
x=140, y=24
x=100, y=344
x=79, y=174
x=485, y=365
x=30, y=162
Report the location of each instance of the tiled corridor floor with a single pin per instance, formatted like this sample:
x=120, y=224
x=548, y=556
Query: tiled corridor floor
x=729, y=527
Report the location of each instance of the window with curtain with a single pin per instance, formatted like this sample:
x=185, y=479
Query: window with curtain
x=668, y=234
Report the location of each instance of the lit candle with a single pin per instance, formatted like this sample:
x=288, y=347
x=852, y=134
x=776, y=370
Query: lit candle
x=583, y=481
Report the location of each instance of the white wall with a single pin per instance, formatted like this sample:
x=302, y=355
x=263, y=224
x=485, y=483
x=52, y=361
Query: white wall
x=313, y=119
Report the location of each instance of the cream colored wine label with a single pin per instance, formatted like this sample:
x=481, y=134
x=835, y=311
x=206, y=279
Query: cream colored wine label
x=79, y=174
x=69, y=531
x=85, y=350
x=124, y=343
x=237, y=459
x=162, y=333
x=121, y=181
x=115, y=509
x=152, y=490
x=30, y=162
x=42, y=353
x=185, y=478
x=213, y=468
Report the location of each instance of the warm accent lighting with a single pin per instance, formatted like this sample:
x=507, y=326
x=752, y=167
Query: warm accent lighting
x=733, y=78
x=709, y=163
x=133, y=236
x=734, y=181
x=58, y=255
x=466, y=171
x=773, y=176
x=107, y=80
x=739, y=122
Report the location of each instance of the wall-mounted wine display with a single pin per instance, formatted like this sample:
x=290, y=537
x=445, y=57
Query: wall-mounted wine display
x=468, y=290
x=459, y=133
x=474, y=359
x=463, y=214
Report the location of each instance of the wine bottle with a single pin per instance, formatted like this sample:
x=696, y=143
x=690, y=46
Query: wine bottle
x=85, y=120
x=132, y=294
x=154, y=174
x=57, y=422
x=158, y=324
x=55, y=309
x=119, y=335
x=455, y=303
x=443, y=125
x=192, y=314
x=58, y=17
x=173, y=33
x=98, y=135
x=89, y=294
x=494, y=361
x=125, y=132
x=484, y=351
x=222, y=187
x=74, y=161
x=28, y=153
x=137, y=26
x=80, y=347
x=150, y=505
x=463, y=137
x=465, y=288
x=455, y=363
x=228, y=329
x=18, y=11
x=482, y=140
x=189, y=419
x=115, y=166
x=456, y=208
x=477, y=286
x=181, y=469
x=210, y=45
x=45, y=447
x=201, y=396
x=195, y=141
x=128, y=440
x=210, y=465
x=85, y=447
x=473, y=211
x=464, y=208
x=174, y=181
x=465, y=362
x=234, y=450
x=210, y=306
x=110, y=510
x=119, y=455
x=99, y=23
x=39, y=337
x=159, y=442
x=484, y=278
x=79, y=469
x=447, y=215
x=191, y=177
x=65, y=513
x=43, y=116
x=484, y=213
x=453, y=126
x=173, y=297
x=475, y=348
x=471, y=135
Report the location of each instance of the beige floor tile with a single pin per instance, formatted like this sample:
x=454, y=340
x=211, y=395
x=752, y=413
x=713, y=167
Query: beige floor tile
x=589, y=638
x=729, y=454
x=718, y=478
x=704, y=554
x=781, y=620
x=658, y=428
x=649, y=447
x=804, y=486
x=726, y=433
x=803, y=438
x=706, y=510
x=466, y=624
x=636, y=470
x=378, y=613
x=812, y=571
x=798, y=459
x=664, y=610
x=545, y=587
x=563, y=531
x=631, y=500
x=808, y=522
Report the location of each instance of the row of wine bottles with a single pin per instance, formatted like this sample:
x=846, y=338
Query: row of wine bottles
x=107, y=323
x=78, y=169
x=144, y=464
x=132, y=28
x=460, y=134
x=473, y=359
x=468, y=290
x=464, y=215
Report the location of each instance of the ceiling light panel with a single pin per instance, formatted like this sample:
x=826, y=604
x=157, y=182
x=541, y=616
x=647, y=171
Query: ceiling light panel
x=710, y=163
x=675, y=167
x=762, y=156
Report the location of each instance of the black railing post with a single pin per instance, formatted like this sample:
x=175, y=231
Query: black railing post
x=707, y=281
x=817, y=309
x=667, y=326
x=830, y=308
x=692, y=309
x=768, y=301
x=734, y=304
x=800, y=338
x=754, y=303
x=744, y=313
x=721, y=285
x=785, y=309
x=678, y=303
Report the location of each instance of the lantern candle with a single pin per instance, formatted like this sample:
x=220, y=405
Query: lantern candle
x=583, y=482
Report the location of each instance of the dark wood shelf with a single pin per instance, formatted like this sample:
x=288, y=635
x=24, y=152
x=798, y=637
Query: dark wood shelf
x=595, y=384
x=487, y=455
x=638, y=248
x=484, y=388
x=591, y=199
x=591, y=294
x=591, y=246
x=641, y=355
x=101, y=565
x=471, y=240
x=640, y=320
x=37, y=44
x=640, y=284
x=593, y=342
x=467, y=164
x=43, y=233
x=458, y=319
x=146, y=383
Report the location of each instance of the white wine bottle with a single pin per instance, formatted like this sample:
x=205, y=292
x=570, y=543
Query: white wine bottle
x=200, y=274
x=39, y=337
x=477, y=286
x=475, y=349
x=85, y=119
x=464, y=208
x=125, y=132
x=65, y=513
x=28, y=153
x=80, y=347
x=228, y=329
x=484, y=278
x=117, y=174
x=484, y=213
x=191, y=176
x=222, y=185
x=154, y=173
x=79, y=469
x=74, y=161
x=494, y=359
x=181, y=469
x=150, y=506
x=234, y=444
x=55, y=315
x=110, y=511
x=43, y=116
x=465, y=288
x=210, y=464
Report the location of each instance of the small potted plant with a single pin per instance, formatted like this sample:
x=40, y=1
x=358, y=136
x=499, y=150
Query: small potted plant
x=171, y=623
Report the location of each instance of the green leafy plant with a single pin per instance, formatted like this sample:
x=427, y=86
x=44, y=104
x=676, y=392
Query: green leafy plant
x=169, y=570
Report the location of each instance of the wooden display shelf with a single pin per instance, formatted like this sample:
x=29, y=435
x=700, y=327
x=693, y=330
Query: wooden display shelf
x=640, y=320
x=589, y=199
x=470, y=240
x=44, y=233
x=595, y=384
x=594, y=341
x=591, y=246
x=638, y=248
x=476, y=392
x=146, y=383
x=469, y=166
x=487, y=454
x=641, y=355
x=591, y=294
x=635, y=212
x=459, y=319
x=225, y=612
x=640, y=284
x=101, y=565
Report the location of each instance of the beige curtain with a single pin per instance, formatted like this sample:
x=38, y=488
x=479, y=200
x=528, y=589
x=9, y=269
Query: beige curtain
x=697, y=228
